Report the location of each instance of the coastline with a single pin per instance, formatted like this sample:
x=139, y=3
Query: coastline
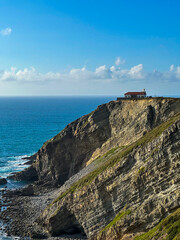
x=20, y=164
x=22, y=212
x=25, y=204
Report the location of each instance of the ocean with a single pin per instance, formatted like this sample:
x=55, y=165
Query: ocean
x=27, y=122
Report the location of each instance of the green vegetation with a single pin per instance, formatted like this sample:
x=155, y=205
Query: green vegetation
x=117, y=156
x=119, y=216
x=112, y=151
x=168, y=228
x=99, y=160
x=141, y=170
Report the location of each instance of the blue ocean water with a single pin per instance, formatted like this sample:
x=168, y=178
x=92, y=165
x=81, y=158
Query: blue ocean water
x=27, y=122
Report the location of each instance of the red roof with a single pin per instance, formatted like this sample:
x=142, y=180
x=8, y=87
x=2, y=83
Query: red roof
x=135, y=93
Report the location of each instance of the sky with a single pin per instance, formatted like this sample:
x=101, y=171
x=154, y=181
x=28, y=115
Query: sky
x=89, y=47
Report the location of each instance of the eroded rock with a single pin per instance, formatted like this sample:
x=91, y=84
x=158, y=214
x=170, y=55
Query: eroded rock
x=116, y=123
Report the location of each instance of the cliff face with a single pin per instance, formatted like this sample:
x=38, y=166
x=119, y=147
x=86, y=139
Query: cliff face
x=125, y=159
x=117, y=123
x=131, y=190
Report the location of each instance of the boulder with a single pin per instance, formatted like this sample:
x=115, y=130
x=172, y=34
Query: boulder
x=3, y=181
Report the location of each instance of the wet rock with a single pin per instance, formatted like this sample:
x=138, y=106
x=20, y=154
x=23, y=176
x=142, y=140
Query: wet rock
x=27, y=191
x=3, y=181
x=29, y=162
x=37, y=235
x=29, y=174
x=33, y=157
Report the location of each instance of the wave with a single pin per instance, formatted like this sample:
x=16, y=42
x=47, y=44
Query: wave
x=9, y=165
x=12, y=164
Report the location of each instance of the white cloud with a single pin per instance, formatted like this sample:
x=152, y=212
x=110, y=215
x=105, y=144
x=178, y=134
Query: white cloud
x=136, y=71
x=6, y=31
x=171, y=68
x=178, y=72
x=102, y=73
x=112, y=68
x=28, y=75
x=119, y=61
x=78, y=74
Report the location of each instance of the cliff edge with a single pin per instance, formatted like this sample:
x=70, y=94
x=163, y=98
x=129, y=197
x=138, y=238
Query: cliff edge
x=117, y=123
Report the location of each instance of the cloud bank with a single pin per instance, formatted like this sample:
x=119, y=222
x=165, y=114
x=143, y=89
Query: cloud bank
x=102, y=74
x=6, y=31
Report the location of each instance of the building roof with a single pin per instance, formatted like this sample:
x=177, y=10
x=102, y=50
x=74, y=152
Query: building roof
x=135, y=93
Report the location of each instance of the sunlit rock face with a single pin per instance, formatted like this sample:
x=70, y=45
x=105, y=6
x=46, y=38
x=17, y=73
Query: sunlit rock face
x=117, y=123
x=143, y=187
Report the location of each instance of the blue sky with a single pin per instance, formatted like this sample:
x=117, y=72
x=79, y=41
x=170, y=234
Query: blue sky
x=89, y=47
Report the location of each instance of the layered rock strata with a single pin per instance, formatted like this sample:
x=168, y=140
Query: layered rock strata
x=116, y=123
x=131, y=190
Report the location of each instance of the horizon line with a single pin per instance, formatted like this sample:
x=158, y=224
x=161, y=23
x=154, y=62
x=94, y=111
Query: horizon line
x=115, y=95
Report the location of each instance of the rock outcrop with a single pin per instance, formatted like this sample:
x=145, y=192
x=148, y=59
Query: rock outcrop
x=3, y=181
x=116, y=123
x=131, y=190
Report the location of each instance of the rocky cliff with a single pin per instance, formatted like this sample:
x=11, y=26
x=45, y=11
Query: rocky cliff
x=125, y=158
x=114, y=124
x=129, y=192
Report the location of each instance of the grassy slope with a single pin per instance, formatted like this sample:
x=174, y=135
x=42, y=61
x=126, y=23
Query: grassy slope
x=118, y=217
x=168, y=228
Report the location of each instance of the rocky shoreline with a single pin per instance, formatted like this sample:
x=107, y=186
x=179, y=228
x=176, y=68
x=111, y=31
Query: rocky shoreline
x=25, y=204
x=32, y=201
x=23, y=208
